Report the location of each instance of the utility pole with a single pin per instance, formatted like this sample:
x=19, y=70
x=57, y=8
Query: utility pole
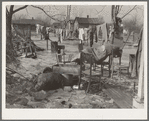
x=68, y=12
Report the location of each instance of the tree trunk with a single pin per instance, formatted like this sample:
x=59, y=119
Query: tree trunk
x=8, y=31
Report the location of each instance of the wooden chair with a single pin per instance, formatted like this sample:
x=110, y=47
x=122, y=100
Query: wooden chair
x=60, y=58
x=69, y=58
x=88, y=74
x=102, y=65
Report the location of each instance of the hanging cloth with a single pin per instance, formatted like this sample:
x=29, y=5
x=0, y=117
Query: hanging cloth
x=103, y=28
x=85, y=33
x=104, y=32
x=81, y=32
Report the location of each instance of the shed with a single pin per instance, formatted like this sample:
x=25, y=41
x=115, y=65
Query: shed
x=23, y=27
x=81, y=22
x=32, y=22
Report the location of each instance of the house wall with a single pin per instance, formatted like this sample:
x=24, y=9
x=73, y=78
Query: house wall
x=83, y=25
x=24, y=30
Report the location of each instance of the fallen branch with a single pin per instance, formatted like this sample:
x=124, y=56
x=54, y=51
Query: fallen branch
x=17, y=73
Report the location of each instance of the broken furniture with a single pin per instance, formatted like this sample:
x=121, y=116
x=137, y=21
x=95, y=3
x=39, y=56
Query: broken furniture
x=104, y=64
x=120, y=66
x=123, y=67
x=88, y=74
x=61, y=58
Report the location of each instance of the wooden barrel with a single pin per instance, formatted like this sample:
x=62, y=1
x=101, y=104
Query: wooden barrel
x=67, y=69
x=54, y=46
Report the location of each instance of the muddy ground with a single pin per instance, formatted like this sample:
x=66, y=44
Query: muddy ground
x=18, y=95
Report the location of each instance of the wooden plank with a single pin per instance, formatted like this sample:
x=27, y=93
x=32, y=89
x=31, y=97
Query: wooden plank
x=87, y=72
x=87, y=78
x=121, y=98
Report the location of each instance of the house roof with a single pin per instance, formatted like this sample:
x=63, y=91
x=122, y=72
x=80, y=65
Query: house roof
x=27, y=21
x=88, y=20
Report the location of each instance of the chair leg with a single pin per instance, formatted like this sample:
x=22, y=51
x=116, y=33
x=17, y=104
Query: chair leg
x=102, y=69
x=120, y=73
x=109, y=71
x=90, y=75
x=100, y=84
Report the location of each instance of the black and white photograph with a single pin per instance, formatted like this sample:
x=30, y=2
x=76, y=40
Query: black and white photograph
x=74, y=60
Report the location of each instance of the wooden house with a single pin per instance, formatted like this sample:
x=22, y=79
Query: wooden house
x=81, y=22
x=24, y=27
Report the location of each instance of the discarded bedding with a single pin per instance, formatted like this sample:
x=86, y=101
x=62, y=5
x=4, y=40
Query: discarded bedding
x=99, y=54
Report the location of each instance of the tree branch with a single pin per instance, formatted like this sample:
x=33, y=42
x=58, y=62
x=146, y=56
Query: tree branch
x=27, y=12
x=100, y=11
x=11, y=9
x=20, y=8
x=120, y=8
x=58, y=15
x=128, y=12
x=45, y=13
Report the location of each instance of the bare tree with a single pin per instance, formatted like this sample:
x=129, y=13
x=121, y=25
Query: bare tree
x=98, y=12
x=46, y=13
x=9, y=14
x=132, y=24
x=129, y=11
